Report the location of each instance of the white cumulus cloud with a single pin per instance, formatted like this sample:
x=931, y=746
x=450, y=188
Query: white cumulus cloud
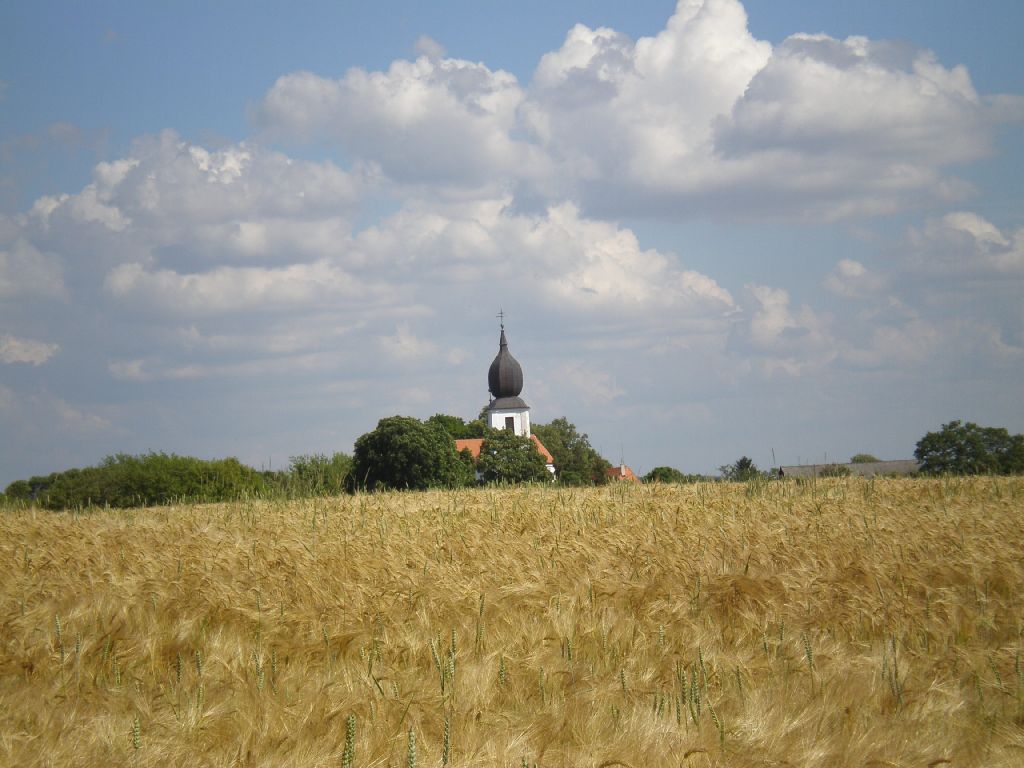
x=966, y=243
x=432, y=119
x=850, y=278
x=241, y=201
x=700, y=117
x=592, y=385
x=568, y=260
x=234, y=289
x=155, y=368
x=818, y=96
x=27, y=272
x=15, y=350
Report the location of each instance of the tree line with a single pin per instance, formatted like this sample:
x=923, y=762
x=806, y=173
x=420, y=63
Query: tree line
x=406, y=453
x=956, y=448
x=122, y=480
x=401, y=453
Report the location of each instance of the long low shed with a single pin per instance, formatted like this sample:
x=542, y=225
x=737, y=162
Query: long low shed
x=866, y=469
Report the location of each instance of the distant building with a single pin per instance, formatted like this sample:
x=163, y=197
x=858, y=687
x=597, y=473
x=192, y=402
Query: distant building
x=621, y=473
x=506, y=410
x=865, y=469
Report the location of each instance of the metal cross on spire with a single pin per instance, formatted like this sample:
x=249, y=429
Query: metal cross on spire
x=501, y=317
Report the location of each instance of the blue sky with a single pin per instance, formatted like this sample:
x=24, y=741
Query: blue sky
x=716, y=229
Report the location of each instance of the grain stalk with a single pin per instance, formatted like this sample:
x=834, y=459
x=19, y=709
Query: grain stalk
x=348, y=756
x=410, y=753
x=60, y=643
x=136, y=734
x=447, y=742
x=809, y=656
x=718, y=725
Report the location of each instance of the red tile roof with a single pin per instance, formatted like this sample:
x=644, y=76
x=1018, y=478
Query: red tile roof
x=472, y=444
x=548, y=458
x=622, y=472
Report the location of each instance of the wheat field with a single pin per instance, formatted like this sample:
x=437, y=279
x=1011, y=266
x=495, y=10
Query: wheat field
x=846, y=622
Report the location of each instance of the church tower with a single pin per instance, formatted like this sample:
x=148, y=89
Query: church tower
x=505, y=381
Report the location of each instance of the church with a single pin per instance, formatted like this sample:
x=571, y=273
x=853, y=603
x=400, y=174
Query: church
x=506, y=410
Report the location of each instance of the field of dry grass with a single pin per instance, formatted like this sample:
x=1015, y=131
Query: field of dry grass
x=840, y=623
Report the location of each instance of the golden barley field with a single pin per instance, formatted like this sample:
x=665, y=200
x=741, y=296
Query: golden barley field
x=845, y=622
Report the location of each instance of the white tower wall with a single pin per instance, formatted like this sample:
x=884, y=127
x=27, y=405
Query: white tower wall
x=496, y=419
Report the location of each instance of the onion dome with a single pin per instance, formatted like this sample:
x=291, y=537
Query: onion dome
x=505, y=378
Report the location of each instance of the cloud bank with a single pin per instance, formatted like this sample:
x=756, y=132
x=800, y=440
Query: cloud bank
x=669, y=125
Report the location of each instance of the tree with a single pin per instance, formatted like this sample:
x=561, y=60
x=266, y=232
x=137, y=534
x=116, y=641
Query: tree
x=967, y=449
x=19, y=490
x=670, y=475
x=1013, y=458
x=506, y=457
x=740, y=471
x=403, y=452
x=664, y=475
x=863, y=458
x=576, y=462
x=457, y=427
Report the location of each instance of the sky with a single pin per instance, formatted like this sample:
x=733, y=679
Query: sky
x=785, y=229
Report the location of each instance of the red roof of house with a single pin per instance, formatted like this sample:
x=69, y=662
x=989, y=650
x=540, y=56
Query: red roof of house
x=622, y=472
x=472, y=444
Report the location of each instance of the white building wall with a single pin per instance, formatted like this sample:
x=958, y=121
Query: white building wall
x=520, y=416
